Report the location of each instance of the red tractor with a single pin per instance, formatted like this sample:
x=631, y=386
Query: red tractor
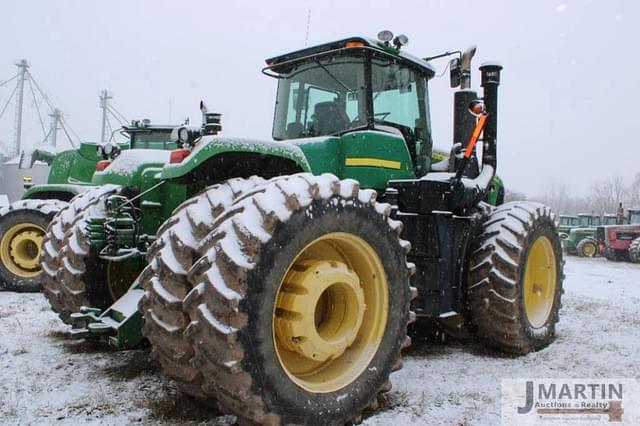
x=615, y=241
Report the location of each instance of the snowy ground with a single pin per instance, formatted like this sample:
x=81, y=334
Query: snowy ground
x=47, y=378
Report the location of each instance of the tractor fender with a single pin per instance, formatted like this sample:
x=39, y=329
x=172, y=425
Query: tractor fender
x=129, y=167
x=61, y=191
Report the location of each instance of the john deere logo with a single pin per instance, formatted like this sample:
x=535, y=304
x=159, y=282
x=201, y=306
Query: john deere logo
x=570, y=401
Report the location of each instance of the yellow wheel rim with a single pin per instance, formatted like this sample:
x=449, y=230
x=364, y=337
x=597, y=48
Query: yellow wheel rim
x=540, y=282
x=331, y=312
x=588, y=249
x=20, y=249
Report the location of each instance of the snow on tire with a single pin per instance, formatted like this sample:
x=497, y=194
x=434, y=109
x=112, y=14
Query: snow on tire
x=165, y=279
x=516, y=275
x=634, y=251
x=22, y=227
x=62, y=280
x=266, y=250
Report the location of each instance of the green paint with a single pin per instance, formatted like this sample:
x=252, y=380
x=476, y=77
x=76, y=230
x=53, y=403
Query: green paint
x=327, y=120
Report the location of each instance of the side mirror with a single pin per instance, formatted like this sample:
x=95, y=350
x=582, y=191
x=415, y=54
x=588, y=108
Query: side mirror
x=455, y=72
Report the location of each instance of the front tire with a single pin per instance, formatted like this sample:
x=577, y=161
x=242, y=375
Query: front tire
x=587, y=248
x=73, y=276
x=272, y=344
x=165, y=279
x=516, y=276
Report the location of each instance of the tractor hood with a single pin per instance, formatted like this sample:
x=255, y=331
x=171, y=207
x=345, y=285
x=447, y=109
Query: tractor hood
x=210, y=146
x=128, y=168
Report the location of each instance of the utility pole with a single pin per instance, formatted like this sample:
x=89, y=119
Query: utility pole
x=56, y=116
x=104, y=104
x=23, y=65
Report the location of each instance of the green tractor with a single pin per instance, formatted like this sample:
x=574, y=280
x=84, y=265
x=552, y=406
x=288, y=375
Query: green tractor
x=23, y=223
x=581, y=239
x=278, y=278
x=566, y=223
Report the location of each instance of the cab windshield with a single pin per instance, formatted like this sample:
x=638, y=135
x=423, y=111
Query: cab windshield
x=328, y=96
x=584, y=221
x=322, y=97
x=635, y=218
x=152, y=139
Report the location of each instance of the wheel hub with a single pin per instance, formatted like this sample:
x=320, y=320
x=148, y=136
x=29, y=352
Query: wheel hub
x=20, y=249
x=25, y=249
x=589, y=249
x=320, y=310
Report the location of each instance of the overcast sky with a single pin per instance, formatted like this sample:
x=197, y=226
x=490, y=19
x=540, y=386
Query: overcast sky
x=568, y=102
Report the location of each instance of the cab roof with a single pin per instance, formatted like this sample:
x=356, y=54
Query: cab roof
x=366, y=42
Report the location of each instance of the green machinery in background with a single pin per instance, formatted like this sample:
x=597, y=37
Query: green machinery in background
x=581, y=239
x=277, y=278
x=23, y=223
x=565, y=223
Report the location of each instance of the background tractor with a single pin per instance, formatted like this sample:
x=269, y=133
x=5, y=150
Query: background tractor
x=615, y=241
x=280, y=276
x=580, y=239
x=565, y=224
x=23, y=223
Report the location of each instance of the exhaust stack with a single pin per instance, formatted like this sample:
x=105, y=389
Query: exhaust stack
x=490, y=81
x=463, y=121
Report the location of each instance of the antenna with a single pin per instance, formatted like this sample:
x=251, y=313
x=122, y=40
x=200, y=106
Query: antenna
x=104, y=104
x=23, y=65
x=56, y=116
x=306, y=37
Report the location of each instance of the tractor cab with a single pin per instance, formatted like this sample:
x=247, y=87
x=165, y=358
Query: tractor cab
x=355, y=84
x=609, y=219
x=633, y=216
x=144, y=135
x=587, y=220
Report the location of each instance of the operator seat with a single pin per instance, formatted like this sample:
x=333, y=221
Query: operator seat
x=330, y=117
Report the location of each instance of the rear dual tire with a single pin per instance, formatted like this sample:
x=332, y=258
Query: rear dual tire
x=252, y=287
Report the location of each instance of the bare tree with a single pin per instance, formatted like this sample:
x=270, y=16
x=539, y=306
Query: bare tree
x=513, y=196
x=633, y=193
x=606, y=194
x=557, y=197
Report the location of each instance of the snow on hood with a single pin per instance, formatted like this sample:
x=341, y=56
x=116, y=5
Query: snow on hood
x=130, y=160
